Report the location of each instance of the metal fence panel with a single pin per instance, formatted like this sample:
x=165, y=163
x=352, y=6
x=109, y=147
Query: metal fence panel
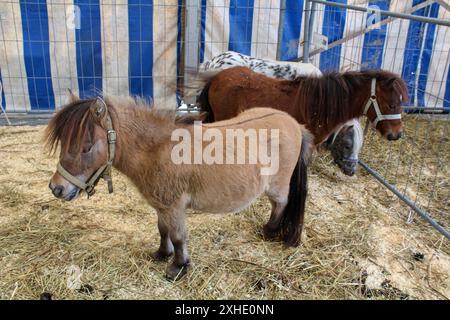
x=416, y=168
x=91, y=46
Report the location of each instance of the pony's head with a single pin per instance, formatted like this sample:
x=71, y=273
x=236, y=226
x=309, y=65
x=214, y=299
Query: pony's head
x=337, y=97
x=345, y=145
x=383, y=107
x=79, y=129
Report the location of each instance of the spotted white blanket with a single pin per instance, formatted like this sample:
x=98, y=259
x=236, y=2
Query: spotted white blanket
x=271, y=68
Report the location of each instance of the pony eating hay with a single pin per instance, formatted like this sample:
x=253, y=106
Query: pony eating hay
x=345, y=145
x=96, y=134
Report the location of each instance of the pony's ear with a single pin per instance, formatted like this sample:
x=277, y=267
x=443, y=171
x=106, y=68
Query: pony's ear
x=98, y=110
x=72, y=97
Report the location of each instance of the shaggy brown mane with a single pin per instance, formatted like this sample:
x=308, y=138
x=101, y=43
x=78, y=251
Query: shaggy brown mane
x=325, y=99
x=74, y=121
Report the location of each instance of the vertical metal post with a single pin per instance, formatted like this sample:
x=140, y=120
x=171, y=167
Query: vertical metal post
x=310, y=8
x=280, y=27
x=306, y=41
x=192, y=39
x=1, y=106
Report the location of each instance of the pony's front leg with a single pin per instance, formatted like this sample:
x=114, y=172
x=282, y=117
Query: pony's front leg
x=165, y=249
x=175, y=219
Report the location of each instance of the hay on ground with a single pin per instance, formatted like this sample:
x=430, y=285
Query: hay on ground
x=356, y=244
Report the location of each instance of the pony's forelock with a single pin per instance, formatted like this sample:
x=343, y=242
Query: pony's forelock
x=71, y=124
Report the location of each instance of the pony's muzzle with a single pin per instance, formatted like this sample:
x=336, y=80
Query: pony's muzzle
x=56, y=190
x=348, y=166
x=349, y=169
x=391, y=136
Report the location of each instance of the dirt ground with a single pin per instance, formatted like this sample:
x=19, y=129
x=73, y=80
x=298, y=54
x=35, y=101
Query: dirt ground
x=357, y=243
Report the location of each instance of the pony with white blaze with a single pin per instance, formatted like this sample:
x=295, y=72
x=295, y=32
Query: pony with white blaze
x=344, y=144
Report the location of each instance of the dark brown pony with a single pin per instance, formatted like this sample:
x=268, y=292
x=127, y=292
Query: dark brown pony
x=321, y=103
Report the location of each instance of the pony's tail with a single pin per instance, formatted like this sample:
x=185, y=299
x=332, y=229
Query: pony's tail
x=203, y=103
x=197, y=79
x=199, y=87
x=294, y=213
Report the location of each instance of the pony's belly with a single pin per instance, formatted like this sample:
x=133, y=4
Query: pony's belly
x=236, y=206
x=223, y=203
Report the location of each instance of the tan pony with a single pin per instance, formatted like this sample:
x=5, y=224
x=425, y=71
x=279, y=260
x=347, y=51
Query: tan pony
x=125, y=133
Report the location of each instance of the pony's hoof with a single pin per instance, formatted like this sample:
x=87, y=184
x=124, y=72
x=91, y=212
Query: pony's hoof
x=270, y=234
x=158, y=255
x=175, y=272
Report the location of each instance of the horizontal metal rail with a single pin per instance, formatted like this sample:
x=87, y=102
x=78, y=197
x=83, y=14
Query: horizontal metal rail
x=405, y=199
x=365, y=30
x=437, y=21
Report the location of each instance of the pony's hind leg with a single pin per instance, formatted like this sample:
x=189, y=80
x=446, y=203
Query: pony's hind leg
x=272, y=228
x=165, y=249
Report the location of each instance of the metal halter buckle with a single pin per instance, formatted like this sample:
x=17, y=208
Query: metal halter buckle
x=89, y=190
x=111, y=136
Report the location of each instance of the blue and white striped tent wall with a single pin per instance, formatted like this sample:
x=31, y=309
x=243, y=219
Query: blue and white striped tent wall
x=417, y=51
x=120, y=47
x=133, y=46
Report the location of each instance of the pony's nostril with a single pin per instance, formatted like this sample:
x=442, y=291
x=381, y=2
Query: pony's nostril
x=396, y=136
x=57, y=191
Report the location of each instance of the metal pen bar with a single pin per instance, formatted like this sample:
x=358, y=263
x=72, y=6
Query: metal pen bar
x=365, y=29
x=386, y=13
x=309, y=35
x=1, y=105
x=405, y=199
x=307, y=42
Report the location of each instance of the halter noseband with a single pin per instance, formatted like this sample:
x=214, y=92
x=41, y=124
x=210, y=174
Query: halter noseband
x=102, y=172
x=373, y=102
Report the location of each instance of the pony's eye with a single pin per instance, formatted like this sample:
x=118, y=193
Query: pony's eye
x=87, y=149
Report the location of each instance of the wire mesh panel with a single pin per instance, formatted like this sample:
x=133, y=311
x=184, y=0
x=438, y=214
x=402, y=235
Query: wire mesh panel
x=416, y=165
x=90, y=46
x=417, y=51
x=248, y=27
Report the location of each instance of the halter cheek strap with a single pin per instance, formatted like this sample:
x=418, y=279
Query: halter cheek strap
x=373, y=102
x=351, y=159
x=102, y=172
x=335, y=134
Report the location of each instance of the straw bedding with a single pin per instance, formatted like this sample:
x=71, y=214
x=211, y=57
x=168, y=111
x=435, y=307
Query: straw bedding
x=356, y=243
